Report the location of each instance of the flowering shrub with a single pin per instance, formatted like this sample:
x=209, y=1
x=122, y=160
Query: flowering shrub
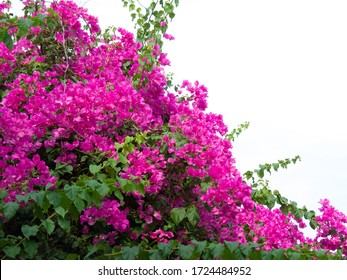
x=101, y=156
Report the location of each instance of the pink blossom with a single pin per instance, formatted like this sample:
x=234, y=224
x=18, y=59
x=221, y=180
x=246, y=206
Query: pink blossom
x=157, y=215
x=35, y=29
x=161, y=235
x=163, y=60
x=4, y=6
x=59, y=37
x=169, y=37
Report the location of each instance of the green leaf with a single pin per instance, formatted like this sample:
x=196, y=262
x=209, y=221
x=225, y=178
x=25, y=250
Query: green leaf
x=217, y=250
x=75, y=215
x=24, y=26
x=246, y=250
x=298, y=213
x=309, y=214
x=96, y=198
x=198, y=249
x=232, y=246
x=29, y=230
x=313, y=224
x=118, y=194
x=91, y=252
x=79, y=204
x=48, y=225
x=275, y=166
x=206, y=254
x=177, y=215
x=185, y=251
x=48, y=186
x=45, y=205
x=71, y=192
x=3, y=194
x=39, y=19
x=205, y=186
x=84, y=158
x=165, y=249
x=72, y=257
x=85, y=195
x=193, y=215
x=10, y=209
x=64, y=224
x=260, y=173
x=155, y=254
x=294, y=256
x=94, y=168
x=59, y=112
x=131, y=186
x=199, y=246
x=61, y=211
x=93, y=184
x=103, y=190
x=64, y=168
x=122, y=158
x=284, y=209
x=130, y=253
x=38, y=197
x=321, y=254
x=6, y=39
x=266, y=255
x=122, y=182
x=112, y=162
x=65, y=201
x=278, y=254
x=38, y=213
x=30, y=246
x=59, y=166
x=11, y=251
x=54, y=198
x=238, y=255
x=255, y=255
x=271, y=201
x=23, y=198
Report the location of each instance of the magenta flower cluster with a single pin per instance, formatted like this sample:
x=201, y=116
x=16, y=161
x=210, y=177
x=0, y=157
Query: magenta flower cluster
x=87, y=101
x=332, y=230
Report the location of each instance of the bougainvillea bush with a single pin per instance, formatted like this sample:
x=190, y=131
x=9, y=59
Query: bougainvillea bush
x=103, y=157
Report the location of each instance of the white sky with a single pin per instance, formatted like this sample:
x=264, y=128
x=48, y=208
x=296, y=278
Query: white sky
x=282, y=65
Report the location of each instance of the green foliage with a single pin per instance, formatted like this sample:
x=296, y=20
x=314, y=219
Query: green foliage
x=235, y=133
x=262, y=193
x=149, y=20
x=6, y=38
x=151, y=23
x=177, y=215
x=193, y=215
x=208, y=250
x=130, y=253
x=23, y=26
x=53, y=217
x=29, y=230
x=10, y=209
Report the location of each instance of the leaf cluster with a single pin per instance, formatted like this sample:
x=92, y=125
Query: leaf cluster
x=205, y=250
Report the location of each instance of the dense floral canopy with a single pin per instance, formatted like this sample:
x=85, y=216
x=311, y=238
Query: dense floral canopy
x=96, y=144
